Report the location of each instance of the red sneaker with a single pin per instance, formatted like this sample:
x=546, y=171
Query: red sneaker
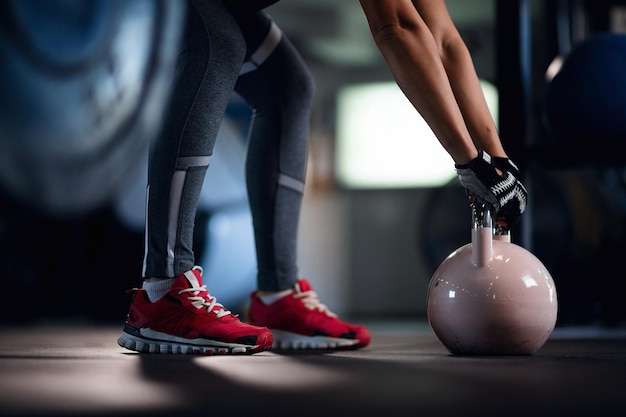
x=189, y=320
x=301, y=321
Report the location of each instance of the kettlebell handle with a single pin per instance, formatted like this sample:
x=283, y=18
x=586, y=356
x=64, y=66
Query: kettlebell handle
x=484, y=233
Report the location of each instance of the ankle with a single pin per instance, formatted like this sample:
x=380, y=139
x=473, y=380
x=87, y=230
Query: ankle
x=269, y=297
x=157, y=287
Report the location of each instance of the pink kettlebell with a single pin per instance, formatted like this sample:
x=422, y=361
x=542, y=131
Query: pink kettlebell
x=491, y=296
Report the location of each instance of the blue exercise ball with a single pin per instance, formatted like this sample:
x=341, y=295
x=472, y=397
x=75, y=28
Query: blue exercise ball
x=585, y=102
x=84, y=87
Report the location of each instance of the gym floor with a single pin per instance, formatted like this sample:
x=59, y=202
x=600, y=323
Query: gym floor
x=79, y=370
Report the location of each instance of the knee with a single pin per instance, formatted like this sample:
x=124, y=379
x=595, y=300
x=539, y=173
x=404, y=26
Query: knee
x=301, y=85
x=228, y=48
x=213, y=33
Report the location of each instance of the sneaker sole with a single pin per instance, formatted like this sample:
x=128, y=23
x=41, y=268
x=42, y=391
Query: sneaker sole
x=291, y=341
x=184, y=346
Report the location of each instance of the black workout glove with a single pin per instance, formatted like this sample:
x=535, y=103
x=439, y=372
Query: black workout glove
x=503, y=192
x=505, y=164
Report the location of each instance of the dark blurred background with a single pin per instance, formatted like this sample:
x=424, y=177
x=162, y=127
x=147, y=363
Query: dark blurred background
x=85, y=84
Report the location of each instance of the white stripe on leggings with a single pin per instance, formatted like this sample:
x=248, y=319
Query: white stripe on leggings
x=266, y=48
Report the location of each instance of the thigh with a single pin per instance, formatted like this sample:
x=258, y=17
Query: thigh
x=249, y=6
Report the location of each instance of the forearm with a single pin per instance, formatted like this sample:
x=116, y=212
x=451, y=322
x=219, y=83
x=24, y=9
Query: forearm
x=469, y=95
x=412, y=56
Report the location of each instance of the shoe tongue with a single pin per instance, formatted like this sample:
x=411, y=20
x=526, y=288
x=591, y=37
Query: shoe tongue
x=303, y=286
x=194, y=278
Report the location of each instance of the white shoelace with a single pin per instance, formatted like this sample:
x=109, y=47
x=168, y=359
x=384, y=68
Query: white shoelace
x=209, y=301
x=310, y=301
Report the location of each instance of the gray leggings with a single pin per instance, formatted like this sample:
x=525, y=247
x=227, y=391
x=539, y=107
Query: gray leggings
x=225, y=50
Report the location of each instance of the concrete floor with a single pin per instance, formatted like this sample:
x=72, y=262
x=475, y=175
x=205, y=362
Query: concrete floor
x=79, y=370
